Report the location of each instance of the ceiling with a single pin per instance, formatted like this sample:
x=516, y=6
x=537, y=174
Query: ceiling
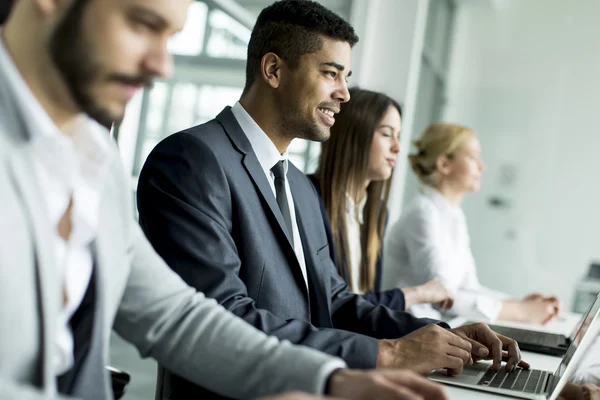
x=340, y=7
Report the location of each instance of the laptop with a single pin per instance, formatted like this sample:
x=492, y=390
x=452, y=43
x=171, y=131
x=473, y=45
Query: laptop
x=531, y=383
x=553, y=344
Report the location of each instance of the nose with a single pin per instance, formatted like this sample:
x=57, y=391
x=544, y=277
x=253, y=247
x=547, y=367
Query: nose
x=343, y=94
x=396, y=145
x=159, y=61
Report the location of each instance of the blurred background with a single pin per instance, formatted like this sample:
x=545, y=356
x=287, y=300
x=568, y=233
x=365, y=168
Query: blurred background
x=522, y=73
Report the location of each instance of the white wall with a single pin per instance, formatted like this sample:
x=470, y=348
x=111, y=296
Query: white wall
x=388, y=59
x=525, y=76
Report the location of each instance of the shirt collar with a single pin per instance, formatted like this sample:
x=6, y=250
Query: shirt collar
x=439, y=200
x=263, y=147
x=356, y=210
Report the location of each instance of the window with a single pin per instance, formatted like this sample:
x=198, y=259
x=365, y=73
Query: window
x=210, y=54
x=209, y=74
x=433, y=77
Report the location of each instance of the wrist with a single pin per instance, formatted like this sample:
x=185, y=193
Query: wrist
x=332, y=381
x=385, y=354
x=412, y=296
x=512, y=310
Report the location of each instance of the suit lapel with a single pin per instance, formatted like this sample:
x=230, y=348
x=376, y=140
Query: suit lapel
x=90, y=377
x=252, y=165
x=321, y=315
x=21, y=163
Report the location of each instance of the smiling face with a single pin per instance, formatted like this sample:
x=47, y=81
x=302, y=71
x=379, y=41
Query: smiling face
x=464, y=167
x=312, y=91
x=385, y=146
x=106, y=50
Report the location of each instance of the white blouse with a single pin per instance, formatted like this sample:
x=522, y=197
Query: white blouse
x=354, y=222
x=431, y=240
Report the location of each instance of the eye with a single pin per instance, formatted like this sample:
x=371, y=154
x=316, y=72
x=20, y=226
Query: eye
x=143, y=24
x=332, y=74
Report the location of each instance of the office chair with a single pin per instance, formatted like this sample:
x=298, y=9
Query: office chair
x=119, y=380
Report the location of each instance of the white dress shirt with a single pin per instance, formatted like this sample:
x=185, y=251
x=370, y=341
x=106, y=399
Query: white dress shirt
x=268, y=156
x=431, y=240
x=70, y=166
x=354, y=223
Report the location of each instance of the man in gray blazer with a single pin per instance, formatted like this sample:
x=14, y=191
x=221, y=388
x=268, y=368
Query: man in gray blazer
x=227, y=210
x=74, y=263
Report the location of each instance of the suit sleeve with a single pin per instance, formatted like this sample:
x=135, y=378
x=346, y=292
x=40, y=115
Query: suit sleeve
x=376, y=314
x=186, y=211
x=199, y=340
x=193, y=336
x=13, y=390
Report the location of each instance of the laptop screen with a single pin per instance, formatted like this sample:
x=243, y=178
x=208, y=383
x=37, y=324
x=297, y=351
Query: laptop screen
x=576, y=339
x=579, y=323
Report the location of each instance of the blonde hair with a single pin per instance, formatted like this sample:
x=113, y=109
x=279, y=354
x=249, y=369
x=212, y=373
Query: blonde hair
x=437, y=139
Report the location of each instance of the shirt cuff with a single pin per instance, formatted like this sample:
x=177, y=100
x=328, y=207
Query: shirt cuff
x=325, y=372
x=488, y=307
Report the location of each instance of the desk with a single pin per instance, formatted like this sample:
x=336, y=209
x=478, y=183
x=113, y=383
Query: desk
x=562, y=325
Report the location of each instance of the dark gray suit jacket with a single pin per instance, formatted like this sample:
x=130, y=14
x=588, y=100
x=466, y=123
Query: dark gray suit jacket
x=207, y=208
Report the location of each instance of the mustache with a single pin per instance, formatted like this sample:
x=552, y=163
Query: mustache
x=144, y=80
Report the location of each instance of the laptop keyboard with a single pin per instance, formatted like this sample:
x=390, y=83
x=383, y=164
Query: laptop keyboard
x=521, y=380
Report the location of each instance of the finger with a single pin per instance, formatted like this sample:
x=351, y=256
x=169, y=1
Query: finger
x=548, y=319
x=514, y=353
x=453, y=365
x=463, y=354
x=449, y=302
x=425, y=387
x=461, y=342
x=522, y=364
x=446, y=304
x=493, y=343
x=478, y=350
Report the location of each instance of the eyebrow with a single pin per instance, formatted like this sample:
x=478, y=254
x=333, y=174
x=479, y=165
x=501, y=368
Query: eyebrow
x=388, y=126
x=157, y=20
x=337, y=66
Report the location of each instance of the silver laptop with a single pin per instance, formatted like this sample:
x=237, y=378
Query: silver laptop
x=531, y=383
x=538, y=342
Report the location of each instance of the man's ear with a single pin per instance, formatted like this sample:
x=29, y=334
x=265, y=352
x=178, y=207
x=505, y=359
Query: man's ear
x=443, y=164
x=270, y=69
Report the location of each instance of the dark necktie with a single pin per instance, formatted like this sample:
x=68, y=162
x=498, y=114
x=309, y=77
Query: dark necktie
x=279, y=173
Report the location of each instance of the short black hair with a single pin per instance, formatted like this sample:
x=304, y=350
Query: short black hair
x=5, y=7
x=292, y=28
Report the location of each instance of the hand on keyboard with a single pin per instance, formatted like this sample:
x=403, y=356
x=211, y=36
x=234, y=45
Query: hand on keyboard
x=489, y=345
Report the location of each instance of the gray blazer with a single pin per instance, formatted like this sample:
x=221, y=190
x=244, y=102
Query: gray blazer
x=136, y=294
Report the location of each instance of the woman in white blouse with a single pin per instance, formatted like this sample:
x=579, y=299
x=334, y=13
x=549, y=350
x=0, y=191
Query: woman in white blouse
x=431, y=239
x=353, y=179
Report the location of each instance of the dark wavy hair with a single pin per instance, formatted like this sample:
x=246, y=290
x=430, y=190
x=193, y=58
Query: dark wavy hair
x=343, y=167
x=290, y=29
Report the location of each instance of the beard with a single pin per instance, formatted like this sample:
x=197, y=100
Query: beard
x=80, y=66
x=294, y=121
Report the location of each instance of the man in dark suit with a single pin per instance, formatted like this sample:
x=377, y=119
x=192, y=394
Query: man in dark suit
x=235, y=219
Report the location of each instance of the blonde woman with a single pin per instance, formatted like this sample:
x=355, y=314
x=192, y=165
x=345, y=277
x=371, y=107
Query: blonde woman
x=431, y=239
